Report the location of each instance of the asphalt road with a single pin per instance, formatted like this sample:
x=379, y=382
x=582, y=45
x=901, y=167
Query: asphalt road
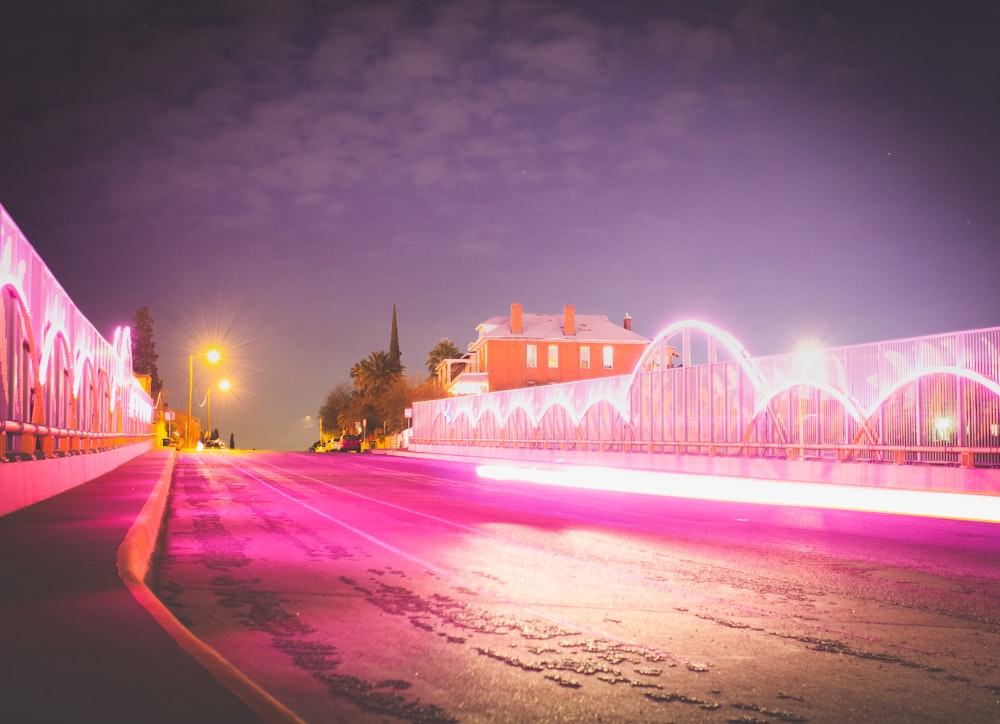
x=371, y=588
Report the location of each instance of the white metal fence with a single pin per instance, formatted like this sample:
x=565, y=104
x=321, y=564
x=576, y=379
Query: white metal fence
x=933, y=399
x=64, y=389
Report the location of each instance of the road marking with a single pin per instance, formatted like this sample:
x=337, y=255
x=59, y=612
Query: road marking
x=744, y=608
x=445, y=574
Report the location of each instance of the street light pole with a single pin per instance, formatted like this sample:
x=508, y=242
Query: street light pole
x=187, y=424
x=223, y=385
x=213, y=356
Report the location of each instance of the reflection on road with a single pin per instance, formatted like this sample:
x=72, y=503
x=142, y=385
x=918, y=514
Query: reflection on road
x=384, y=588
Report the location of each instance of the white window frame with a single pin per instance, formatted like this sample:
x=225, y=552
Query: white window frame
x=585, y=357
x=553, y=356
x=532, y=356
x=609, y=357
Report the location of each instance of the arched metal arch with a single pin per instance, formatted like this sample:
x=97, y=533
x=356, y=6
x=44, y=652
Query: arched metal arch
x=971, y=375
x=52, y=328
x=735, y=348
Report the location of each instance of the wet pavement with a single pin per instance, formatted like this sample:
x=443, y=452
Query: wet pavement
x=363, y=588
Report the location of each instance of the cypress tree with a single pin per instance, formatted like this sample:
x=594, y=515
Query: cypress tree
x=395, y=356
x=144, y=349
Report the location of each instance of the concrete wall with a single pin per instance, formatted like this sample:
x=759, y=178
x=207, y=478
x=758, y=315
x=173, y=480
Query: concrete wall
x=25, y=483
x=876, y=475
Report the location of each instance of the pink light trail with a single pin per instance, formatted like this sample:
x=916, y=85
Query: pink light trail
x=932, y=504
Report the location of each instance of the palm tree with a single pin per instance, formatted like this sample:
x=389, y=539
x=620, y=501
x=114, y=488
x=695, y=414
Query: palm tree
x=445, y=349
x=374, y=374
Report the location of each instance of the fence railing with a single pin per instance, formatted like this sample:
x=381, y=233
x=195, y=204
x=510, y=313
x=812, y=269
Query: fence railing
x=64, y=442
x=64, y=388
x=958, y=456
x=933, y=400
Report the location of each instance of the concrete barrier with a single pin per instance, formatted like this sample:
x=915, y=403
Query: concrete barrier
x=28, y=482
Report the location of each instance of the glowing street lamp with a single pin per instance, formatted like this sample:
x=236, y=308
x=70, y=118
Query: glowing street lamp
x=212, y=356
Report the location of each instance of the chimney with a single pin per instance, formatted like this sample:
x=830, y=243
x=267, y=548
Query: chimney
x=628, y=322
x=516, y=323
x=569, y=320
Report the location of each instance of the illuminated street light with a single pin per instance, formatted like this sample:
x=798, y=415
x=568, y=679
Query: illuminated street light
x=212, y=356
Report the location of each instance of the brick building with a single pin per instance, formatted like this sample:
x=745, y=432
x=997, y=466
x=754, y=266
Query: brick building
x=526, y=349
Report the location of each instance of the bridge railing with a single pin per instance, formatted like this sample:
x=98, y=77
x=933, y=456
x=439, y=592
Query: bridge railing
x=961, y=457
x=933, y=400
x=64, y=388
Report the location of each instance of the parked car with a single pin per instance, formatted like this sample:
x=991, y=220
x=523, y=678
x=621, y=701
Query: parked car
x=350, y=443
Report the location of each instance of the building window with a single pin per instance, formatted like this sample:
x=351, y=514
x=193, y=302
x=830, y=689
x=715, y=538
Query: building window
x=584, y=357
x=532, y=356
x=609, y=357
x=553, y=356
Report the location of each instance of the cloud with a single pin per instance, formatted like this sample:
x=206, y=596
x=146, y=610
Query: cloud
x=696, y=46
x=343, y=153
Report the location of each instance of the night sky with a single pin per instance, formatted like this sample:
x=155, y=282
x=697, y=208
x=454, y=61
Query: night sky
x=272, y=177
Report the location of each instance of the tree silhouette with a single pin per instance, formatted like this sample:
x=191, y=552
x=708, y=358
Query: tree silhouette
x=144, y=349
x=375, y=374
x=445, y=349
x=395, y=356
x=338, y=402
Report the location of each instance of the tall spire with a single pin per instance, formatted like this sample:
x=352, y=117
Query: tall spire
x=395, y=357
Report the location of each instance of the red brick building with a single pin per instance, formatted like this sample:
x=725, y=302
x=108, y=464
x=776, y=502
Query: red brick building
x=528, y=349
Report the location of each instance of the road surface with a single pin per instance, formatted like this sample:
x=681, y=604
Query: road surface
x=384, y=589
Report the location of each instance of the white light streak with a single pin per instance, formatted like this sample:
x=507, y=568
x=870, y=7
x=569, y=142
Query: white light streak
x=749, y=490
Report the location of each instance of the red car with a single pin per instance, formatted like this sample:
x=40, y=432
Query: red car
x=350, y=443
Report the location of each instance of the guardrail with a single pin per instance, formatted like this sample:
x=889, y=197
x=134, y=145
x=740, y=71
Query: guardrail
x=58, y=442
x=962, y=457
x=64, y=388
x=931, y=400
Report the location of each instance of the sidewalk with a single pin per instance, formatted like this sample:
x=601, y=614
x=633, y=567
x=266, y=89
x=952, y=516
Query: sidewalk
x=76, y=644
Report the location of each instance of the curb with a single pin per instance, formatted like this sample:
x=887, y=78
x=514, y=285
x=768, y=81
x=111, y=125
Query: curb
x=134, y=556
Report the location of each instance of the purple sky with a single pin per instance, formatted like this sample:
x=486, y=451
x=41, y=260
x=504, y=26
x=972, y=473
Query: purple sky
x=273, y=176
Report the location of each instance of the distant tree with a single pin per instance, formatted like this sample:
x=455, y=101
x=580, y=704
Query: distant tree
x=445, y=349
x=361, y=408
x=374, y=374
x=395, y=356
x=426, y=390
x=232, y=442
x=391, y=404
x=387, y=412
x=383, y=404
x=144, y=349
x=337, y=402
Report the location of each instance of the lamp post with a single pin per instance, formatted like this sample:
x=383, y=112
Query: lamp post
x=223, y=386
x=212, y=356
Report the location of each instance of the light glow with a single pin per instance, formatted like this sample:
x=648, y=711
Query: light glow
x=808, y=360
x=53, y=328
x=960, y=506
x=663, y=408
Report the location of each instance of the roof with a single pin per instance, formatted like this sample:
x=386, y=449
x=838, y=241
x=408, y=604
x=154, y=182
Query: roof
x=539, y=326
